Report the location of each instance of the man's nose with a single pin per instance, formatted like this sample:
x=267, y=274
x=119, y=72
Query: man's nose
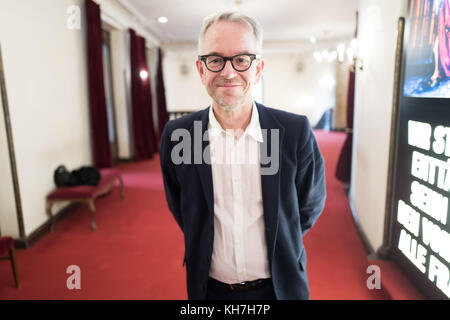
x=228, y=71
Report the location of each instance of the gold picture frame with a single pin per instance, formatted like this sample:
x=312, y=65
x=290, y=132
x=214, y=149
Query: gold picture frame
x=12, y=157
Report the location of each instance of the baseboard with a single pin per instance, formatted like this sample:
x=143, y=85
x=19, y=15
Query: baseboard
x=124, y=160
x=394, y=283
x=32, y=238
x=362, y=235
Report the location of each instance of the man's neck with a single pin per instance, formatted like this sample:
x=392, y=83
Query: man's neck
x=234, y=119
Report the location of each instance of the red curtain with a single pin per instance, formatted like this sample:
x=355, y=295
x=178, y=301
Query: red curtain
x=163, y=115
x=144, y=139
x=343, y=168
x=97, y=100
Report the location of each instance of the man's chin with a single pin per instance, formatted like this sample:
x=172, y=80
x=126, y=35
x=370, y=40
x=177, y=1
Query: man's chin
x=230, y=105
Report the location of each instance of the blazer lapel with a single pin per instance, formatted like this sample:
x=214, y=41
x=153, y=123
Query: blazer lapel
x=273, y=132
x=203, y=165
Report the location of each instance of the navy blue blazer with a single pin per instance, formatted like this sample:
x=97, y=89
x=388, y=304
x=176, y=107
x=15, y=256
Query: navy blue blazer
x=293, y=198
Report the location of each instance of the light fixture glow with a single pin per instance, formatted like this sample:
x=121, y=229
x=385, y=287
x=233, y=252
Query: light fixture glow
x=143, y=74
x=332, y=56
x=327, y=82
x=312, y=39
x=163, y=20
x=318, y=56
x=341, y=52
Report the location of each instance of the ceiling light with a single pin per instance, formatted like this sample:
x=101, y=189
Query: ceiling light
x=163, y=20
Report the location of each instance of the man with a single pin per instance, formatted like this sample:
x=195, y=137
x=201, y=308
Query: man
x=243, y=213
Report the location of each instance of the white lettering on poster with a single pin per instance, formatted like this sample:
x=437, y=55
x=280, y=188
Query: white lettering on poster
x=425, y=237
x=440, y=275
x=419, y=134
x=408, y=217
x=414, y=251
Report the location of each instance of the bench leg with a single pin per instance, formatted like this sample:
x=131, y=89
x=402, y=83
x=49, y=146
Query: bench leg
x=49, y=213
x=121, y=187
x=12, y=258
x=92, y=210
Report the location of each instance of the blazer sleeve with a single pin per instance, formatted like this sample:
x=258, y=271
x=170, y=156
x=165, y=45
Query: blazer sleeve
x=310, y=179
x=171, y=184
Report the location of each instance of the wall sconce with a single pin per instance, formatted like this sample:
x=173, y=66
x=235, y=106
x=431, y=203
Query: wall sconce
x=339, y=54
x=353, y=57
x=326, y=56
x=143, y=74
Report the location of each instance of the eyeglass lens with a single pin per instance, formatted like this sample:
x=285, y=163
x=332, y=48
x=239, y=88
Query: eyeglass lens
x=241, y=62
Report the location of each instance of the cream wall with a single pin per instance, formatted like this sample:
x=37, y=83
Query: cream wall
x=292, y=82
x=373, y=106
x=46, y=73
x=47, y=90
x=184, y=90
x=8, y=216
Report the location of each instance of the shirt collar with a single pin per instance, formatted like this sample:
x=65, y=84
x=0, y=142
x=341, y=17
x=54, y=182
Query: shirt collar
x=253, y=129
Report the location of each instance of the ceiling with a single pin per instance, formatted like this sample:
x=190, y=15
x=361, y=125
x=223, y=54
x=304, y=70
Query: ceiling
x=282, y=20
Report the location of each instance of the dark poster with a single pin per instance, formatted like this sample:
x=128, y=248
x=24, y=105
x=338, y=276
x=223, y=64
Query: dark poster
x=421, y=226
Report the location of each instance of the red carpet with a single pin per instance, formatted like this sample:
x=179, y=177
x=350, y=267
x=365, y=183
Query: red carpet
x=337, y=260
x=137, y=251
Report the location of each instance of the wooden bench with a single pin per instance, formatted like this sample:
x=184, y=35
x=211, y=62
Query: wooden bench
x=85, y=194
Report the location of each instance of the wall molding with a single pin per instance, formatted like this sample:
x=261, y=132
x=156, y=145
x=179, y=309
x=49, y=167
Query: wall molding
x=28, y=241
x=362, y=235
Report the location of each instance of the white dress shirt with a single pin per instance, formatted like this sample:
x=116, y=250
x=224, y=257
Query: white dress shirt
x=240, y=250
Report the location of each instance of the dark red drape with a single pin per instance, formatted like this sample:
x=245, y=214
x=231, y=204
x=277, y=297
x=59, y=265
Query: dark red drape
x=97, y=100
x=344, y=165
x=163, y=115
x=144, y=138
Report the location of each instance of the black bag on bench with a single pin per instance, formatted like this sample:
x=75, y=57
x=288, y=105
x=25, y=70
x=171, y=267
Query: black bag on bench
x=83, y=176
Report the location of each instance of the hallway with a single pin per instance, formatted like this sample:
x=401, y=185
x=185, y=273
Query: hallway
x=137, y=251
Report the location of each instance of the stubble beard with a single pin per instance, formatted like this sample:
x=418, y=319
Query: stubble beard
x=227, y=105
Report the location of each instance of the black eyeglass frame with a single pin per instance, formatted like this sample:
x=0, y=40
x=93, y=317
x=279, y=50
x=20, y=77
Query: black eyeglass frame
x=225, y=59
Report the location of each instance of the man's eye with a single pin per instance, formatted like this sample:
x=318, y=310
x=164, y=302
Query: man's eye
x=216, y=60
x=241, y=60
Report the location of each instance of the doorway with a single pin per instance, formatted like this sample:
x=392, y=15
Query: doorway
x=107, y=73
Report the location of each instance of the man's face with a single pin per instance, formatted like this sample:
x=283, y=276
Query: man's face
x=229, y=88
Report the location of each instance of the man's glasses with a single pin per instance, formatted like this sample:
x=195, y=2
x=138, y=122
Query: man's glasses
x=240, y=62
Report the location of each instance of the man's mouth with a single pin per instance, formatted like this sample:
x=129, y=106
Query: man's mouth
x=229, y=85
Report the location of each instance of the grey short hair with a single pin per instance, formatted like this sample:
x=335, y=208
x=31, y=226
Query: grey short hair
x=252, y=23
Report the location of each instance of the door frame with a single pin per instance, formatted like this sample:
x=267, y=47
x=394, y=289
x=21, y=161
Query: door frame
x=106, y=39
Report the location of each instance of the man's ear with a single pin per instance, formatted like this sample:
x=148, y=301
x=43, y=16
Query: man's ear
x=200, y=69
x=259, y=70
